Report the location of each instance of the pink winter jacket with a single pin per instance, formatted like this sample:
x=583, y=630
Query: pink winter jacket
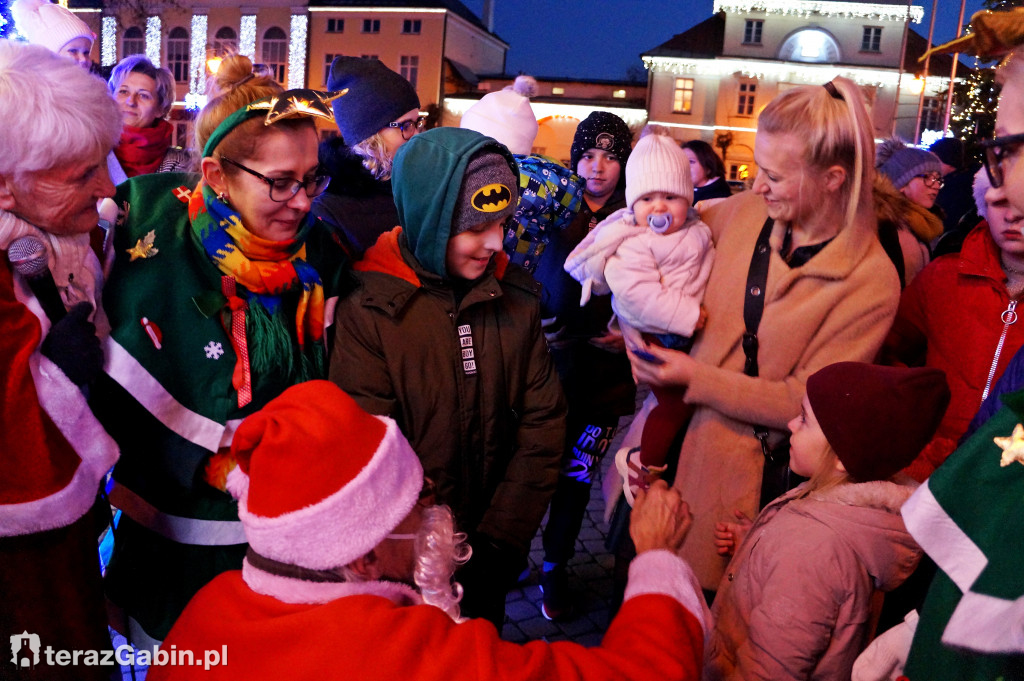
x=795, y=601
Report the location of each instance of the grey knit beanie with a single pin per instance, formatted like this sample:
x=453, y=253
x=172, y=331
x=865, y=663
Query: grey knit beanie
x=489, y=191
x=376, y=96
x=901, y=163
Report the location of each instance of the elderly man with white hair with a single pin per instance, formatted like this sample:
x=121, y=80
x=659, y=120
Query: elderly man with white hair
x=59, y=126
x=349, y=570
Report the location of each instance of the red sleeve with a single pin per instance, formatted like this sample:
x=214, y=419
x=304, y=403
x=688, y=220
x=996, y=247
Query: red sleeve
x=907, y=341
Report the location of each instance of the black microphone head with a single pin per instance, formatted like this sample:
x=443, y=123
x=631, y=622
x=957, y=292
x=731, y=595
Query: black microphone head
x=27, y=255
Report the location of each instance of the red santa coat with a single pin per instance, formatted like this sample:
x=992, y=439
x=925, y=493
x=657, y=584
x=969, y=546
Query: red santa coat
x=53, y=456
x=950, y=318
x=374, y=630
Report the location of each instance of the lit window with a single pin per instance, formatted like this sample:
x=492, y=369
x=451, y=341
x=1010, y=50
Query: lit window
x=619, y=94
x=409, y=68
x=745, y=103
x=335, y=25
x=225, y=42
x=178, y=54
x=558, y=90
x=411, y=26
x=932, y=112
x=872, y=40
x=275, y=52
x=752, y=32
x=371, y=25
x=682, y=98
x=134, y=42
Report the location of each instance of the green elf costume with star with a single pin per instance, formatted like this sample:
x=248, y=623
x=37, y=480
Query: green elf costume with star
x=209, y=323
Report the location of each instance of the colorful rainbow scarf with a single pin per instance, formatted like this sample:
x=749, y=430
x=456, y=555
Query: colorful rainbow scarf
x=264, y=271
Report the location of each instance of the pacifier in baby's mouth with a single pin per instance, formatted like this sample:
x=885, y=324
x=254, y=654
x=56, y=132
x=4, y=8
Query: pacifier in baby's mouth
x=659, y=222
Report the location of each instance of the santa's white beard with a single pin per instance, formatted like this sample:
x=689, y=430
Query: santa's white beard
x=439, y=551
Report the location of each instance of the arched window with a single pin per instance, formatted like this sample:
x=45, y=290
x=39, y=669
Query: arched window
x=133, y=42
x=225, y=42
x=275, y=52
x=811, y=45
x=177, y=54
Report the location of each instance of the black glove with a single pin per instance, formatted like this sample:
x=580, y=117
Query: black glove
x=73, y=346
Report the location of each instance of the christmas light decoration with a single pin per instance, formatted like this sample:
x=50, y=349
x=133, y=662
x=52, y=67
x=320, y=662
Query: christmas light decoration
x=108, y=41
x=195, y=101
x=842, y=10
x=929, y=137
x=153, y=39
x=197, y=54
x=297, y=51
x=247, y=36
x=456, y=106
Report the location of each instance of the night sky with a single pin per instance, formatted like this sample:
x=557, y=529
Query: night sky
x=603, y=38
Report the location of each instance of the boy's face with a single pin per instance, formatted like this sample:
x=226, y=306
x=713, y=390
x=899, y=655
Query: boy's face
x=601, y=170
x=469, y=252
x=663, y=206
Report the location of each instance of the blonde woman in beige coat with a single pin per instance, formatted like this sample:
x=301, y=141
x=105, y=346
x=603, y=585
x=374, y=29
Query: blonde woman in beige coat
x=831, y=295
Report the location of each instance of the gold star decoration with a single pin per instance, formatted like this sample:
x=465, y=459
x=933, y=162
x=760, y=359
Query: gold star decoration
x=1013, y=446
x=144, y=248
x=299, y=102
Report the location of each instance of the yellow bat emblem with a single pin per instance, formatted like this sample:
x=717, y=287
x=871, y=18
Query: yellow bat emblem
x=491, y=198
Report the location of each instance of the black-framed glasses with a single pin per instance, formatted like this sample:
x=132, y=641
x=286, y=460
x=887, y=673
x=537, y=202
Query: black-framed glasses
x=932, y=180
x=282, y=189
x=410, y=127
x=997, y=150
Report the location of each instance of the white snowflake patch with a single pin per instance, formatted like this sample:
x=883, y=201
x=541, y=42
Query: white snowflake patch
x=214, y=350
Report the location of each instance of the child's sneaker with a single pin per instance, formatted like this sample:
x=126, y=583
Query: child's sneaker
x=635, y=475
x=557, y=603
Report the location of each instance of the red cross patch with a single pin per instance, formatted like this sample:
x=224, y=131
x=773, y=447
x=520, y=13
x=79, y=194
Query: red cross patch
x=183, y=193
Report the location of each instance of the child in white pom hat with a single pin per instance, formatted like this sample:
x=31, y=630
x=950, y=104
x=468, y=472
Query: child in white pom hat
x=45, y=23
x=654, y=257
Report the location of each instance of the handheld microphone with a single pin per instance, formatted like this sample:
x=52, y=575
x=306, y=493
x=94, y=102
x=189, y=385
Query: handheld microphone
x=108, y=218
x=27, y=255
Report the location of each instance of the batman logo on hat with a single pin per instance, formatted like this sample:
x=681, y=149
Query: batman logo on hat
x=491, y=198
x=604, y=141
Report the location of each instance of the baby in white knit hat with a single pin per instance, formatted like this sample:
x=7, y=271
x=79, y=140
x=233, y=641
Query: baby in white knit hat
x=654, y=258
x=48, y=24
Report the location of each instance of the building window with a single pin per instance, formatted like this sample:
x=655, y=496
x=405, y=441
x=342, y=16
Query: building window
x=371, y=56
x=619, y=94
x=745, y=102
x=932, y=114
x=409, y=68
x=752, y=32
x=275, y=52
x=178, y=53
x=335, y=25
x=872, y=40
x=134, y=42
x=558, y=90
x=411, y=26
x=371, y=25
x=181, y=134
x=225, y=42
x=738, y=172
x=682, y=97
x=328, y=60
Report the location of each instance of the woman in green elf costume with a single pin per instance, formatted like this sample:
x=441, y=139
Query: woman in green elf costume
x=218, y=300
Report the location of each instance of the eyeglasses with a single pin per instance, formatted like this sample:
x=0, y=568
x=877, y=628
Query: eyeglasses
x=410, y=127
x=282, y=189
x=932, y=180
x=997, y=150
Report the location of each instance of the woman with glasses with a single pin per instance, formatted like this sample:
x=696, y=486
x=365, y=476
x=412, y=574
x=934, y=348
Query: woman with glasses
x=380, y=113
x=906, y=185
x=218, y=299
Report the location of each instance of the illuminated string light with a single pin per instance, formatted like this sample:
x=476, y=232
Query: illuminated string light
x=153, y=39
x=108, y=41
x=297, y=51
x=197, y=54
x=805, y=8
x=247, y=36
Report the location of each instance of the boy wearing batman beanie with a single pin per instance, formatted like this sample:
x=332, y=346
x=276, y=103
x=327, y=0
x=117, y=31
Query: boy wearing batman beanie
x=444, y=336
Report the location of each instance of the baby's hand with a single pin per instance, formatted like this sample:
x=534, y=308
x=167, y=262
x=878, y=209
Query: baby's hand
x=728, y=536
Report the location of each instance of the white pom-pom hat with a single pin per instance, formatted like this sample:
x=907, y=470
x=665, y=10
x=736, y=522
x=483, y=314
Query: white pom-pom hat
x=48, y=24
x=506, y=116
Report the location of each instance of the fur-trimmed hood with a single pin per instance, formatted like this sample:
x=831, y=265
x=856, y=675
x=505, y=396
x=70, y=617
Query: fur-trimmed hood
x=896, y=208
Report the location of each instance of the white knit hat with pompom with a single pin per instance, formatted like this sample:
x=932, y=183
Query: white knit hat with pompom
x=506, y=116
x=48, y=24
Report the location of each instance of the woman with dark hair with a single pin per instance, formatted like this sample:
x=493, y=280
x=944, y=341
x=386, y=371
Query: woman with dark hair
x=144, y=93
x=707, y=171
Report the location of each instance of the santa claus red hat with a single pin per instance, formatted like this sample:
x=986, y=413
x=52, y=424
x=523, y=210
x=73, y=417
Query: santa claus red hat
x=319, y=481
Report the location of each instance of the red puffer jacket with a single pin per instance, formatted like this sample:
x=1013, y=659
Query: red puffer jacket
x=951, y=317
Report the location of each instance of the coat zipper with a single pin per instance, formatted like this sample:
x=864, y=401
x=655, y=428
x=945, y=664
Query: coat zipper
x=1008, y=317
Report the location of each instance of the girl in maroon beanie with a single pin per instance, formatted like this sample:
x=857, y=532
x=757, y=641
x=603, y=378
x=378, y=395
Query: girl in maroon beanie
x=795, y=601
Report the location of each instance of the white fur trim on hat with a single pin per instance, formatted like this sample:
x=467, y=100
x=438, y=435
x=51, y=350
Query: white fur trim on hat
x=657, y=164
x=506, y=116
x=347, y=524
x=48, y=24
